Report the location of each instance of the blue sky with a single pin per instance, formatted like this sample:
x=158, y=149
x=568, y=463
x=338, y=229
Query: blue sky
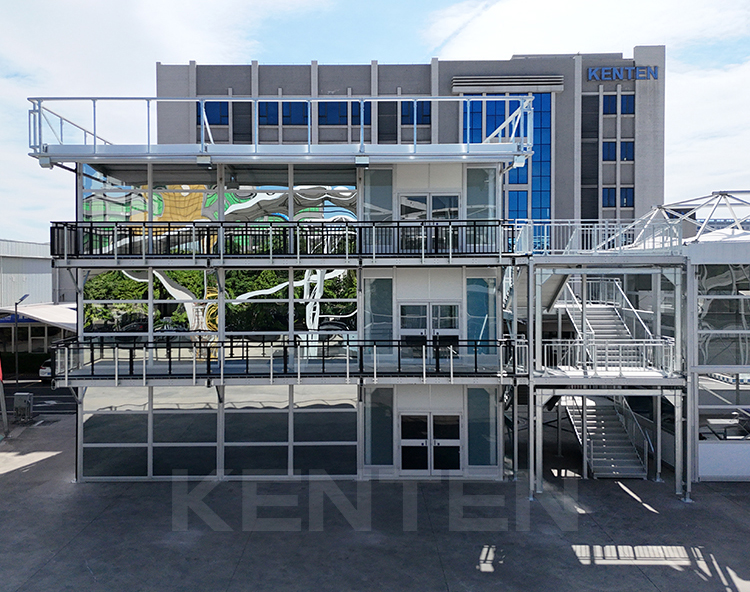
x=89, y=47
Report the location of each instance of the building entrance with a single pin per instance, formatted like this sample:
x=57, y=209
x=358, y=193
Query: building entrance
x=430, y=443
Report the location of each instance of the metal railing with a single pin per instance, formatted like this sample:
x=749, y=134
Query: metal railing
x=189, y=240
x=570, y=237
x=634, y=429
x=610, y=355
x=180, y=357
x=134, y=118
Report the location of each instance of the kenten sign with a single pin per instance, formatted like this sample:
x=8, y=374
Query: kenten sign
x=624, y=73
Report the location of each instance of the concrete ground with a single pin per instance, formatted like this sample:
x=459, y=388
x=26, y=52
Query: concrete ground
x=324, y=535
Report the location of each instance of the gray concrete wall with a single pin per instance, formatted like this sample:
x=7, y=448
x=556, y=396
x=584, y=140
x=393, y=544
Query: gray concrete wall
x=649, y=131
x=176, y=121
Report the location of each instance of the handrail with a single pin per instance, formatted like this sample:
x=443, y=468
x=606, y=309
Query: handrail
x=623, y=410
x=626, y=300
x=576, y=303
x=510, y=131
x=201, y=357
x=348, y=239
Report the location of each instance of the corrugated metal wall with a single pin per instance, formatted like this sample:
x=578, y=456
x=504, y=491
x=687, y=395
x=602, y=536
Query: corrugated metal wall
x=25, y=268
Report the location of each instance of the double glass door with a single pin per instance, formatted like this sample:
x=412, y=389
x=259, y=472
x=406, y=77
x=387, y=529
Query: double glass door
x=426, y=324
x=427, y=238
x=430, y=443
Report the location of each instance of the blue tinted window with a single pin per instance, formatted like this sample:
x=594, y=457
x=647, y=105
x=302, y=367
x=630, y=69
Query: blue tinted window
x=609, y=105
x=294, y=113
x=609, y=197
x=473, y=121
x=423, y=113
x=268, y=113
x=627, y=150
x=541, y=180
x=517, y=205
x=368, y=113
x=495, y=115
x=609, y=150
x=627, y=104
x=332, y=113
x=518, y=175
x=217, y=112
x=627, y=197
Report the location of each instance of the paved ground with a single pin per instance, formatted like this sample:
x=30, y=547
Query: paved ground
x=58, y=535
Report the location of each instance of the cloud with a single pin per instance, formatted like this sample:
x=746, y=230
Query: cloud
x=94, y=48
x=707, y=82
x=497, y=30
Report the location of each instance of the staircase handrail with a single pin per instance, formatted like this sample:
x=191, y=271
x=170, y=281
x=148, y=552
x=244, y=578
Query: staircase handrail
x=621, y=404
x=629, y=305
x=576, y=304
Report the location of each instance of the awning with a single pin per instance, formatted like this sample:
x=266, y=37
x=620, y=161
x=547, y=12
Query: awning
x=57, y=315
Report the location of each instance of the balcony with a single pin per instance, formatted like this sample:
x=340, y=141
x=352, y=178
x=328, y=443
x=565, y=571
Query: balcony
x=610, y=358
x=208, y=361
x=120, y=129
x=284, y=243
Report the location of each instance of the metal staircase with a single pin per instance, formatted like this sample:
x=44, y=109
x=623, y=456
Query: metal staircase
x=611, y=429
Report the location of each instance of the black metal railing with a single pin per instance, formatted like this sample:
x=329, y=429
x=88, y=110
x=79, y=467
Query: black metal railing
x=200, y=358
x=435, y=238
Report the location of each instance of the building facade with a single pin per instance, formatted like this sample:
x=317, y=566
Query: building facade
x=376, y=271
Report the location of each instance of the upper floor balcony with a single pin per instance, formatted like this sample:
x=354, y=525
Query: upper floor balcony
x=350, y=243
x=231, y=129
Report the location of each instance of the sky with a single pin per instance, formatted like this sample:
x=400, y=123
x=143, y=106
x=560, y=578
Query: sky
x=51, y=48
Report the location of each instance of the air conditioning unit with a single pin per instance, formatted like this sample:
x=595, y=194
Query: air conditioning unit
x=22, y=405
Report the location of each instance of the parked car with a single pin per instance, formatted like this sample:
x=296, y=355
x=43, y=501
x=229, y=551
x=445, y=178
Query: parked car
x=45, y=371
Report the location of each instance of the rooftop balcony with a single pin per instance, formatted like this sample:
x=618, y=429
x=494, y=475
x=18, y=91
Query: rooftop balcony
x=118, y=130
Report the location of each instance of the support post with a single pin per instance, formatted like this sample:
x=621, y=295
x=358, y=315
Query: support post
x=539, y=399
x=584, y=439
x=678, y=447
x=657, y=423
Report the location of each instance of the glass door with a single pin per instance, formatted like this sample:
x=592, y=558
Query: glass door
x=415, y=451
x=430, y=443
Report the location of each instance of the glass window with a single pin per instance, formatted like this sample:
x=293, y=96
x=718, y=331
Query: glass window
x=325, y=427
x=256, y=427
x=627, y=150
x=472, y=121
x=115, y=428
x=627, y=197
x=256, y=460
x=379, y=426
x=413, y=316
x=627, y=104
x=480, y=194
x=482, y=427
x=185, y=427
x=333, y=460
x=609, y=197
x=518, y=205
x=721, y=279
x=368, y=113
x=423, y=113
x=378, y=205
x=115, y=462
x=294, y=113
x=518, y=175
x=609, y=105
x=609, y=151
x=480, y=308
x=268, y=113
x=332, y=113
x=217, y=112
x=379, y=309
x=495, y=115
